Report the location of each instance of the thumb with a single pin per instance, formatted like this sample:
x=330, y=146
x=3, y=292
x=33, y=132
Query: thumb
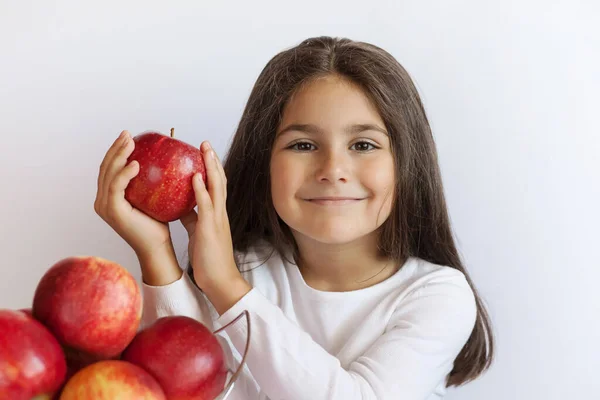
x=189, y=222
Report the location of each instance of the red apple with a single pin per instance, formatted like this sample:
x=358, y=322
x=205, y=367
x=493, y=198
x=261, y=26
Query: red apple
x=32, y=362
x=92, y=305
x=183, y=355
x=163, y=188
x=111, y=380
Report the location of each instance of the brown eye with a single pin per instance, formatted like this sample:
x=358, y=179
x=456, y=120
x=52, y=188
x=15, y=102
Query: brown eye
x=364, y=146
x=301, y=146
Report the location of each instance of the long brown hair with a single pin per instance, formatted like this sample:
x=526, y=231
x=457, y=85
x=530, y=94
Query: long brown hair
x=418, y=225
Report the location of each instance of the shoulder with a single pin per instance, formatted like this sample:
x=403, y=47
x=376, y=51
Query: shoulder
x=438, y=296
x=427, y=276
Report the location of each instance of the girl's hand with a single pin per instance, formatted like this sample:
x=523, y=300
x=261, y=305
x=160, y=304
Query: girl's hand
x=144, y=234
x=210, y=246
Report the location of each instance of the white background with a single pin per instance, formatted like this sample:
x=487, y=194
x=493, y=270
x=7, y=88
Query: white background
x=510, y=87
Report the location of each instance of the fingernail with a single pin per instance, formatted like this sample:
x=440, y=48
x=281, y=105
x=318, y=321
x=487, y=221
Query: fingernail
x=213, y=154
x=199, y=177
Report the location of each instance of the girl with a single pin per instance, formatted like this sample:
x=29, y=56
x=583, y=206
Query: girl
x=328, y=224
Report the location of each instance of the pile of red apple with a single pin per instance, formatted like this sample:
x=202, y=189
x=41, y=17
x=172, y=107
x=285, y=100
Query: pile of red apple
x=81, y=339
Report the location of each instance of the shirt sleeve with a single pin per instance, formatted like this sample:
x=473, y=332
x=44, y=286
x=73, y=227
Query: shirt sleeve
x=181, y=297
x=415, y=353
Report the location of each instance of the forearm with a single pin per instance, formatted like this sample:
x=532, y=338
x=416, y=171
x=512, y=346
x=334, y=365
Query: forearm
x=160, y=267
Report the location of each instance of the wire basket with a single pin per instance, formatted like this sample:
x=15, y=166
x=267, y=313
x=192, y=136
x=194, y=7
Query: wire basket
x=232, y=376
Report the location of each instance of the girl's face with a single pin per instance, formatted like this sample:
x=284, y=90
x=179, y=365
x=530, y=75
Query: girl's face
x=332, y=170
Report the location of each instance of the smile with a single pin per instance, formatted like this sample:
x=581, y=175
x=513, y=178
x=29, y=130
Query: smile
x=334, y=202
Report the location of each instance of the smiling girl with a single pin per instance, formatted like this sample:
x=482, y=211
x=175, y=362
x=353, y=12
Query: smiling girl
x=327, y=222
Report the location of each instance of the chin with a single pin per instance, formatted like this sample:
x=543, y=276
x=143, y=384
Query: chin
x=331, y=234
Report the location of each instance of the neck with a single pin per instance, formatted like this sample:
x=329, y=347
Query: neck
x=343, y=267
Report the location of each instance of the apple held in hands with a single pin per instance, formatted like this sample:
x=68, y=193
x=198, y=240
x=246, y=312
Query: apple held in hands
x=90, y=304
x=32, y=362
x=183, y=355
x=163, y=187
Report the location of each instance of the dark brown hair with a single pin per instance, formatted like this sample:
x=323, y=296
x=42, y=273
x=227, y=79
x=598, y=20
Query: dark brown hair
x=418, y=225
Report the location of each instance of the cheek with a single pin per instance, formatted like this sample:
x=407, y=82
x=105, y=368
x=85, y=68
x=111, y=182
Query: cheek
x=284, y=180
x=378, y=176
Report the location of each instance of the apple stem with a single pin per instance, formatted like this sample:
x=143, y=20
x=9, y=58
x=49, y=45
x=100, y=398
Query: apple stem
x=172, y=132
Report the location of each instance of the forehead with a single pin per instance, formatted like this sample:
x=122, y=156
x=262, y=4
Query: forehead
x=329, y=102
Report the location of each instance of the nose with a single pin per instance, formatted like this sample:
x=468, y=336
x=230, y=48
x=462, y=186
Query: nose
x=333, y=167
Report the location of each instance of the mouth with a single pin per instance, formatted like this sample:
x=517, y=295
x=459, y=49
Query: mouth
x=334, y=201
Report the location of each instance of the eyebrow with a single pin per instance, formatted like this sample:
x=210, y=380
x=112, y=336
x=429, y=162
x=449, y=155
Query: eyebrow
x=315, y=130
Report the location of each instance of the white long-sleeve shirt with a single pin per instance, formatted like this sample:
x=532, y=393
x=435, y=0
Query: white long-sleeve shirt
x=395, y=340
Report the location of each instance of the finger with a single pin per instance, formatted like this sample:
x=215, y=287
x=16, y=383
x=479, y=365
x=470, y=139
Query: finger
x=213, y=176
x=123, y=177
x=223, y=176
x=205, y=205
x=189, y=222
x=116, y=191
x=118, y=161
x=107, y=157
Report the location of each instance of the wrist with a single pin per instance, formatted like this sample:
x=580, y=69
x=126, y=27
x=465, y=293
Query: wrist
x=159, y=266
x=225, y=293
